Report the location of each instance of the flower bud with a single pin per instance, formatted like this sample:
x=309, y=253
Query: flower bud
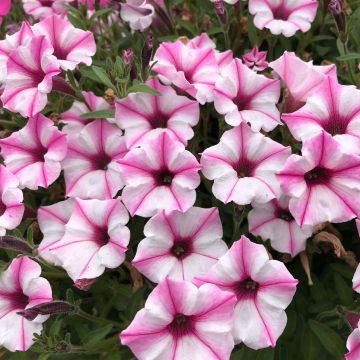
x=84, y=284
x=46, y=308
x=14, y=243
x=128, y=56
x=147, y=51
x=336, y=8
x=220, y=11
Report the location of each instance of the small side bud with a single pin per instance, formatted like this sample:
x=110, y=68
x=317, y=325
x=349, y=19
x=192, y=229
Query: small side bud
x=47, y=308
x=14, y=243
x=147, y=51
x=336, y=8
x=84, y=284
x=221, y=11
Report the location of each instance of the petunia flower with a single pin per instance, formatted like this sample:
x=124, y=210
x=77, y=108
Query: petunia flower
x=95, y=238
x=11, y=206
x=138, y=13
x=144, y=115
x=243, y=166
x=160, y=175
x=334, y=108
x=283, y=17
x=323, y=183
x=90, y=167
x=180, y=245
x=301, y=78
x=244, y=96
x=353, y=344
x=39, y=9
x=255, y=59
x=72, y=117
x=4, y=8
x=30, y=69
x=21, y=287
x=274, y=221
x=52, y=220
x=193, y=70
x=263, y=287
x=72, y=46
x=34, y=153
x=180, y=320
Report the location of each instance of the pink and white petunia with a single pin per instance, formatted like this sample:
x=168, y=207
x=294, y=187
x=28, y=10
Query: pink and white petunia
x=353, y=344
x=72, y=46
x=39, y=9
x=35, y=152
x=283, y=16
x=301, y=78
x=21, y=287
x=255, y=59
x=160, y=175
x=264, y=288
x=193, y=70
x=144, y=115
x=52, y=220
x=243, y=166
x=244, y=96
x=334, y=108
x=274, y=221
x=180, y=319
x=95, y=238
x=138, y=13
x=30, y=69
x=12, y=42
x=90, y=167
x=11, y=206
x=323, y=183
x=72, y=117
x=180, y=245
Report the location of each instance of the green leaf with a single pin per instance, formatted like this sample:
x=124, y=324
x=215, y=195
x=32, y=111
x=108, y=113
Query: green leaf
x=343, y=290
x=328, y=338
x=103, y=77
x=100, y=114
x=97, y=335
x=347, y=57
x=144, y=89
x=310, y=347
x=99, y=13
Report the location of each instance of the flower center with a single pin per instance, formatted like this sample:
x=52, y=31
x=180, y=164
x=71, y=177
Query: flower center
x=159, y=121
x=244, y=168
x=246, y=289
x=102, y=162
x=181, y=249
x=17, y=300
x=336, y=126
x=102, y=237
x=181, y=325
x=2, y=208
x=284, y=214
x=281, y=13
x=47, y=3
x=164, y=177
x=242, y=102
x=318, y=175
x=39, y=154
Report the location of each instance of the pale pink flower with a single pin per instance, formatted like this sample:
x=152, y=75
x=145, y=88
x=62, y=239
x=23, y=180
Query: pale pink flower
x=264, y=288
x=42, y=8
x=160, y=175
x=30, y=69
x=52, y=220
x=180, y=245
x=144, y=115
x=12, y=42
x=274, y=221
x=244, y=96
x=180, y=320
x=243, y=166
x=334, y=108
x=138, y=13
x=353, y=345
x=193, y=70
x=11, y=206
x=90, y=167
x=255, y=59
x=323, y=184
x=34, y=152
x=72, y=46
x=302, y=79
x=21, y=287
x=95, y=238
x=283, y=17
x=72, y=117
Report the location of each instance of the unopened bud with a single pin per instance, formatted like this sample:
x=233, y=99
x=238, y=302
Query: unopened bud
x=46, y=308
x=14, y=243
x=128, y=56
x=220, y=11
x=336, y=8
x=147, y=51
x=84, y=284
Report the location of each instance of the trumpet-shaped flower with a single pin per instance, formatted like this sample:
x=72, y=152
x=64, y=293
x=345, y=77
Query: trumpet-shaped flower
x=90, y=167
x=30, y=69
x=323, y=184
x=95, y=238
x=334, y=108
x=160, y=175
x=72, y=46
x=263, y=287
x=11, y=206
x=40, y=9
x=180, y=319
x=138, y=13
x=35, y=152
x=180, y=245
x=274, y=221
x=144, y=115
x=244, y=96
x=193, y=70
x=21, y=287
x=243, y=166
x=283, y=17
x=353, y=344
x=255, y=59
x=52, y=220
